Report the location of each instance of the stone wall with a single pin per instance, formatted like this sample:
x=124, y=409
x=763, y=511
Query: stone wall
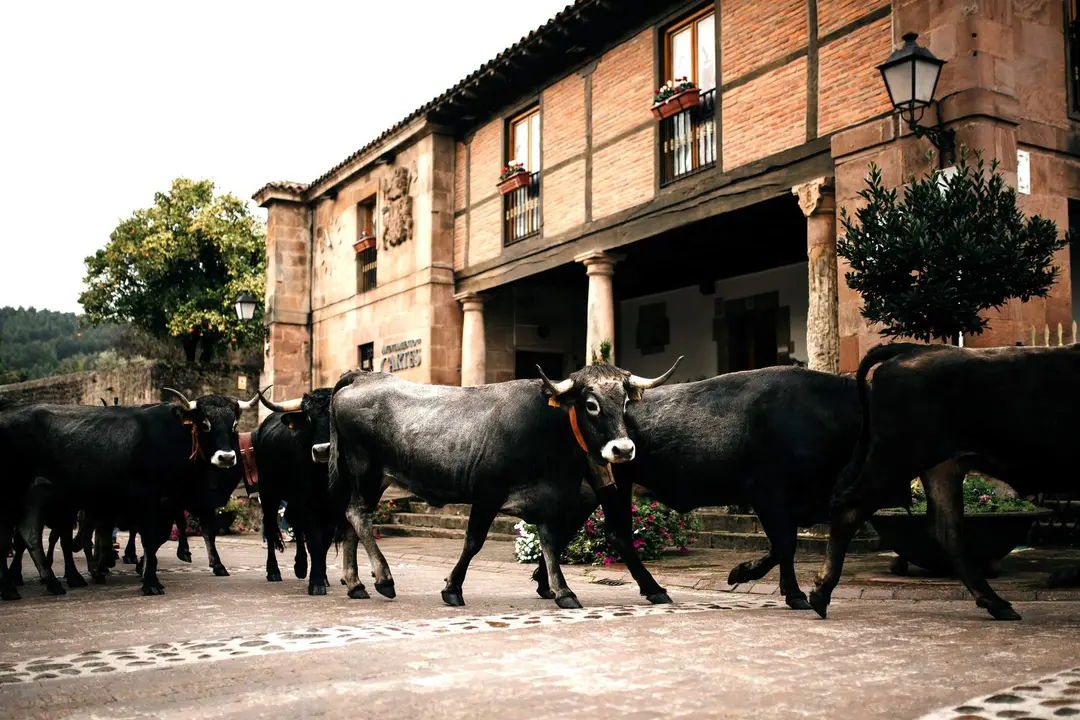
x=137, y=384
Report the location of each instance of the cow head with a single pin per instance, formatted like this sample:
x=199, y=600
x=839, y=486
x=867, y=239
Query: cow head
x=597, y=397
x=216, y=420
x=309, y=417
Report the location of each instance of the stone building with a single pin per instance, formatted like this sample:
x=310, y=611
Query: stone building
x=710, y=234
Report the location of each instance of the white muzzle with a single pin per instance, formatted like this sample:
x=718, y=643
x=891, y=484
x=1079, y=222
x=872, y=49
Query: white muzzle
x=618, y=451
x=320, y=453
x=223, y=459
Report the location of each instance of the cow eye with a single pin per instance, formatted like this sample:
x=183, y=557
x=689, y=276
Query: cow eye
x=236, y=426
x=592, y=407
x=205, y=424
x=625, y=404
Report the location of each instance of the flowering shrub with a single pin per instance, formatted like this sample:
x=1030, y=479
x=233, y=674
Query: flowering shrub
x=980, y=496
x=383, y=511
x=672, y=88
x=656, y=528
x=512, y=168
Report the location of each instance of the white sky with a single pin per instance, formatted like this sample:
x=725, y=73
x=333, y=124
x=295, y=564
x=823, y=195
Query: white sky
x=104, y=103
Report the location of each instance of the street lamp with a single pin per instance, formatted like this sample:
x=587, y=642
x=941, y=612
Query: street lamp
x=911, y=77
x=245, y=305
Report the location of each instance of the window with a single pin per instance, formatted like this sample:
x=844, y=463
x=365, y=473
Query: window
x=1072, y=44
x=365, y=246
x=522, y=206
x=688, y=139
x=367, y=356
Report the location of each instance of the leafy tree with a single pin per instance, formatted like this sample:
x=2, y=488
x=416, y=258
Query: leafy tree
x=37, y=343
x=176, y=268
x=929, y=263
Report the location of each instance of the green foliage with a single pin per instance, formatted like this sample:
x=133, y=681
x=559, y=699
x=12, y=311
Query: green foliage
x=383, y=511
x=176, y=268
x=929, y=263
x=980, y=496
x=605, y=353
x=656, y=529
x=38, y=343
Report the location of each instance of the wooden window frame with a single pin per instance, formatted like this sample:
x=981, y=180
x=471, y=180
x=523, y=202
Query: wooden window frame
x=674, y=29
x=370, y=256
x=524, y=117
x=1071, y=10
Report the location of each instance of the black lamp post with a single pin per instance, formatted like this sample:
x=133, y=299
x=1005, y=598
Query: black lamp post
x=911, y=77
x=245, y=305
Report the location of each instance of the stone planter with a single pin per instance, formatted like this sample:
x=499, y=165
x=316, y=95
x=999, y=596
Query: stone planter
x=989, y=537
x=223, y=522
x=517, y=180
x=677, y=103
x=364, y=243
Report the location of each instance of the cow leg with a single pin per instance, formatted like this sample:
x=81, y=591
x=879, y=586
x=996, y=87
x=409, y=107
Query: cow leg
x=153, y=536
x=300, y=562
x=551, y=550
x=752, y=570
x=95, y=552
x=350, y=577
x=50, y=554
x=209, y=533
x=131, y=555
x=564, y=533
x=619, y=529
x=7, y=587
x=782, y=533
x=945, y=504
x=71, y=572
x=18, y=548
x=273, y=538
x=317, y=545
x=380, y=569
x=480, y=518
x=183, y=550
x=31, y=528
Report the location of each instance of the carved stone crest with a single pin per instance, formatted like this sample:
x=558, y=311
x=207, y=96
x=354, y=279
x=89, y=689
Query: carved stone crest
x=398, y=207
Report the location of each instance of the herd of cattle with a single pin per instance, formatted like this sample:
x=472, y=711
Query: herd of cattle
x=800, y=446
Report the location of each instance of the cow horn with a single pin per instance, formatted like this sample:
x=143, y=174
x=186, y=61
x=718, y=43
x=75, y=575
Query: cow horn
x=103, y=402
x=287, y=406
x=645, y=383
x=555, y=388
x=178, y=398
x=248, y=404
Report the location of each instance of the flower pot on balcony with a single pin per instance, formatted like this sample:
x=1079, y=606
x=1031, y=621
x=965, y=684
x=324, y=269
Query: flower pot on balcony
x=366, y=242
x=514, y=182
x=677, y=103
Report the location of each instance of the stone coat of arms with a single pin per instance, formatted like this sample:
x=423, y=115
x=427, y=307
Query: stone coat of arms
x=398, y=208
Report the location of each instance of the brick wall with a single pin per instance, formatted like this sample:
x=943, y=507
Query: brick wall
x=753, y=36
x=499, y=335
x=622, y=89
x=835, y=14
x=766, y=115
x=623, y=173
x=849, y=85
x=564, y=120
x=487, y=159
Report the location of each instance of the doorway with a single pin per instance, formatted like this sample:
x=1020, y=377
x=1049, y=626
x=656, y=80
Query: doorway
x=525, y=362
x=752, y=332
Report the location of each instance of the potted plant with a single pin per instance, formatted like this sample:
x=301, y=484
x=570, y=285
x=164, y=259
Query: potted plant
x=366, y=241
x=674, y=97
x=513, y=176
x=225, y=516
x=994, y=524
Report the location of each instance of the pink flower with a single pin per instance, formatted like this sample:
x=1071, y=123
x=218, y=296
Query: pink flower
x=984, y=499
x=639, y=543
x=608, y=561
x=683, y=550
x=650, y=519
x=654, y=505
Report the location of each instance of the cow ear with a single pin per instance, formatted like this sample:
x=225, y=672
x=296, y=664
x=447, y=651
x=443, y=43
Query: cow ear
x=187, y=417
x=293, y=420
x=634, y=393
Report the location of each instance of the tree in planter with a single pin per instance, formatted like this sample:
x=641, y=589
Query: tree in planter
x=176, y=268
x=929, y=263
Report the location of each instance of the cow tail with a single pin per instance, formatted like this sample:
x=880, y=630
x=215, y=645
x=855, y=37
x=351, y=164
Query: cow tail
x=846, y=488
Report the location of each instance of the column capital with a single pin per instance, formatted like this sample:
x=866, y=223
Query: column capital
x=816, y=196
x=471, y=301
x=597, y=262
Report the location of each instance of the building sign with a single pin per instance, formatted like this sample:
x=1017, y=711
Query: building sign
x=1023, y=172
x=241, y=382
x=401, y=356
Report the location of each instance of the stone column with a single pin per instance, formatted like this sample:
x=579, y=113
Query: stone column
x=818, y=202
x=473, y=348
x=600, y=267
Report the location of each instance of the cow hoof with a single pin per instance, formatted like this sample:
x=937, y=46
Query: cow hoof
x=316, y=590
x=273, y=576
x=98, y=578
x=660, y=598
x=735, y=576
x=183, y=555
x=54, y=587
x=819, y=603
x=130, y=559
x=568, y=602
x=453, y=599
x=545, y=593
x=153, y=590
x=139, y=565
x=386, y=589
x=359, y=593
x=17, y=581
x=300, y=570
x=898, y=566
x=1003, y=612
x=10, y=594
x=76, y=581
x=798, y=602
x=220, y=571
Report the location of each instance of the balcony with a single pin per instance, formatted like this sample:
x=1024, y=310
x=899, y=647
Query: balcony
x=522, y=211
x=688, y=140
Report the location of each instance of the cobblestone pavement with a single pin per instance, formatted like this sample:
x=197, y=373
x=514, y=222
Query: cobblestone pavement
x=240, y=647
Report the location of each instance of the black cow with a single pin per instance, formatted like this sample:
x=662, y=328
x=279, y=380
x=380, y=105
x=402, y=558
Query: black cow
x=135, y=463
x=291, y=449
x=941, y=411
x=776, y=438
x=520, y=447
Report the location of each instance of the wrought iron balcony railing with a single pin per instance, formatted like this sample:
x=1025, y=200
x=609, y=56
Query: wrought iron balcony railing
x=688, y=140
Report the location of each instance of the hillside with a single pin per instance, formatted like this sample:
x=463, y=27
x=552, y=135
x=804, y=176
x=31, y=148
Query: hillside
x=37, y=343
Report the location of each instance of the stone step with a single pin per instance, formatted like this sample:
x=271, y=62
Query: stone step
x=760, y=542
x=502, y=524
x=419, y=506
x=435, y=532
x=719, y=521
